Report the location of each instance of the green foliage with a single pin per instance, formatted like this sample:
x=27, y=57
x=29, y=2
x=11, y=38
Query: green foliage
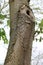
x=41, y=26
x=2, y=16
x=8, y=23
x=40, y=39
x=3, y=35
x=40, y=31
x=37, y=8
x=41, y=12
x=0, y=34
x=2, y=31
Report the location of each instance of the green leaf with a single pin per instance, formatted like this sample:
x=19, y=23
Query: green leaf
x=5, y=39
x=40, y=39
x=37, y=8
x=8, y=23
x=0, y=34
x=38, y=32
x=2, y=31
x=2, y=16
x=41, y=30
x=41, y=24
x=3, y=35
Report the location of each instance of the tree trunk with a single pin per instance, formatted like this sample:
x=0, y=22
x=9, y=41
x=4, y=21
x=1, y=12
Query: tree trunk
x=21, y=33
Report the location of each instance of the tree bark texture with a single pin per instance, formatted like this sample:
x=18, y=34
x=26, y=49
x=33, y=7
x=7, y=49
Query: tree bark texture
x=21, y=33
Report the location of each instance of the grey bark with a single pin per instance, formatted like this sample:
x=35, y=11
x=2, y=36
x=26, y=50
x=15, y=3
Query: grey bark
x=21, y=33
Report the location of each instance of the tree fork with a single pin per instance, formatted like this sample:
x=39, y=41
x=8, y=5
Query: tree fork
x=21, y=33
